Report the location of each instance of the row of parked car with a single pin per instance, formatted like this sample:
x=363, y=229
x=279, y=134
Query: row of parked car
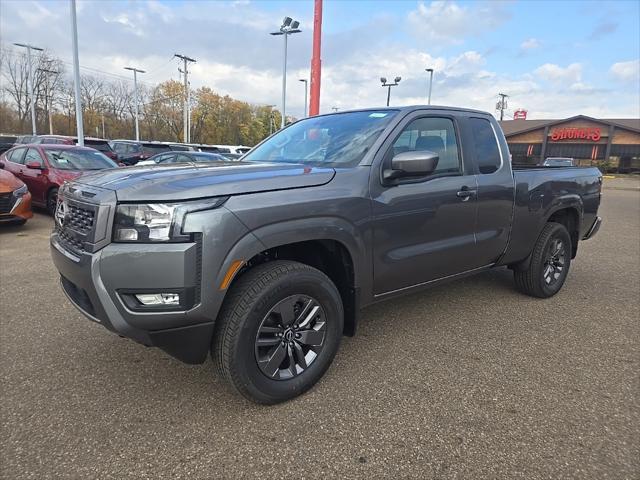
x=32, y=169
x=128, y=152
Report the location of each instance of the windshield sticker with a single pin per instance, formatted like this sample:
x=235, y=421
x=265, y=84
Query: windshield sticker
x=377, y=115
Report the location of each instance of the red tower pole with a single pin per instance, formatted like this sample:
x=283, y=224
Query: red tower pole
x=316, y=63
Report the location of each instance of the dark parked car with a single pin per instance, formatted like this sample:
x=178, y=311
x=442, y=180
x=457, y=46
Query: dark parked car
x=267, y=261
x=44, y=168
x=131, y=152
x=26, y=139
x=7, y=142
x=99, y=144
x=183, y=157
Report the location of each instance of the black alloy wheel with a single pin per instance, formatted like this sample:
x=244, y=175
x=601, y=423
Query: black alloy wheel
x=278, y=330
x=555, y=261
x=290, y=337
x=549, y=263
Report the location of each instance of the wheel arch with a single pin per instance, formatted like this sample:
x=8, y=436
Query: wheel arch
x=571, y=218
x=325, y=244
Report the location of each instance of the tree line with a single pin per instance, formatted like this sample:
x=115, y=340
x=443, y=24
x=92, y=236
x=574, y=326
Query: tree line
x=108, y=106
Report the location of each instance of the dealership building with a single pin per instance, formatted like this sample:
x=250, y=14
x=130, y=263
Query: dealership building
x=611, y=143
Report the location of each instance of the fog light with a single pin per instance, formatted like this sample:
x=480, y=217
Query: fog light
x=158, y=298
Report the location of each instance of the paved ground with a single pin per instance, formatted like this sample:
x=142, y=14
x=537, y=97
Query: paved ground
x=469, y=380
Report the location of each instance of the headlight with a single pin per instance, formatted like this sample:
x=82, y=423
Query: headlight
x=156, y=222
x=20, y=191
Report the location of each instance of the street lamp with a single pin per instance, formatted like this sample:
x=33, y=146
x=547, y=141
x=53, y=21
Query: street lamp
x=135, y=96
x=30, y=83
x=430, y=70
x=395, y=83
x=76, y=72
x=305, y=96
x=288, y=27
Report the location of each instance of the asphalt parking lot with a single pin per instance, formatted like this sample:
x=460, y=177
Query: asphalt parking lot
x=467, y=380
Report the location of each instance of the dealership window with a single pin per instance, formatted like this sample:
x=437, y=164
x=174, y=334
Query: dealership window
x=525, y=153
x=487, y=151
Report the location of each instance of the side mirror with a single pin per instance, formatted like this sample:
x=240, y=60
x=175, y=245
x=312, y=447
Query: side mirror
x=419, y=163
x=34, y=165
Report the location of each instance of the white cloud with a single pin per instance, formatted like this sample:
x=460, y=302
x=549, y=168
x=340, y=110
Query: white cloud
x=550, y=71
x=245, y=62
x=626, y=71
x=449, y=23
x=530, y=44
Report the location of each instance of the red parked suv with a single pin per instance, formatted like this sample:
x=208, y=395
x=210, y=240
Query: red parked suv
x=99, y=144
x=44, y=168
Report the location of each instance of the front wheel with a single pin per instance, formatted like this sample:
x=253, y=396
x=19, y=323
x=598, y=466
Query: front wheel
x=550, y=261
x=278, y=331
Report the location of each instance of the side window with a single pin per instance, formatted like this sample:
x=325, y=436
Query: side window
x=119, y=147
x=434, y=134
x=167, y=158
x=487, y=151
x=183, y=158
x=33, y=156
x=17, y=155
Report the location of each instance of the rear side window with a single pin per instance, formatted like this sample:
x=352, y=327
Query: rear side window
x=487, y=151
x=33, y=156
x=16, y=156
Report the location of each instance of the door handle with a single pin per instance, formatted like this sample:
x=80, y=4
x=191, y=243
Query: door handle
x=465, y=193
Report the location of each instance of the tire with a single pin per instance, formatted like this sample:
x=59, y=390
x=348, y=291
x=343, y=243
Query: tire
x=52, y=200
x=549, y=267
x=248, y=332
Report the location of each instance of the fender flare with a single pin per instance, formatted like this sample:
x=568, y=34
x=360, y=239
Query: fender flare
x=300, y=230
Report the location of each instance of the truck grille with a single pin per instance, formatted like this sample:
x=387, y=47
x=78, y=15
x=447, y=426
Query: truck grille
x=6, y=202
x=79, y=219
x=70, y=243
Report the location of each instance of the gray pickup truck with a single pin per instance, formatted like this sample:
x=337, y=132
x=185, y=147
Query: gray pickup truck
x=266, y=262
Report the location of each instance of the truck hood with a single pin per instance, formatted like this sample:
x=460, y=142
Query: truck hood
x=184, y=182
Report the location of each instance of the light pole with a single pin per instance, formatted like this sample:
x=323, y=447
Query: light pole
x=271, y=122
x=48, y=96
x=135, y=97
x=30, y=83
x=76, y=73
x=395, y=83
x=305, y=96
x=430, y=70
x=187, y=95
x=288, y=27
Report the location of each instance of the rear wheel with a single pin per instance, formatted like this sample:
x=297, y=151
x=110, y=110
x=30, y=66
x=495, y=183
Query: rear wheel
x=550, y=261
x=52, y=201
x=278, y=331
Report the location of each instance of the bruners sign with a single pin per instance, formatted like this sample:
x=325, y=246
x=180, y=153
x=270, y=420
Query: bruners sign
x=579, y=133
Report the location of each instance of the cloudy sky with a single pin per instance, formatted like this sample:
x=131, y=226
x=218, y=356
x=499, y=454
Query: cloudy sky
x=553, y=58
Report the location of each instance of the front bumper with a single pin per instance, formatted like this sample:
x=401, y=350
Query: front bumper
x=95, y=282
x=20, y=211
x=594, y=229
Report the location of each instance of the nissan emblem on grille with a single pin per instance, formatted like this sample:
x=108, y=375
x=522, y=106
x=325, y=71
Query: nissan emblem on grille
x=60, y=212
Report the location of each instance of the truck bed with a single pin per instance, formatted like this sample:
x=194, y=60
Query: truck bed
x=539, y=191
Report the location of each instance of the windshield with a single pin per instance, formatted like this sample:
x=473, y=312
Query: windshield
x=340, y=140
x=73, y=159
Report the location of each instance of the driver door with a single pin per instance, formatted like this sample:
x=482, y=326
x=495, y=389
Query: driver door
x=423, y=228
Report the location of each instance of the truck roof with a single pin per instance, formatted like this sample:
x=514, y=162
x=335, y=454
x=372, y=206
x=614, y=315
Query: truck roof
x=410, y=108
